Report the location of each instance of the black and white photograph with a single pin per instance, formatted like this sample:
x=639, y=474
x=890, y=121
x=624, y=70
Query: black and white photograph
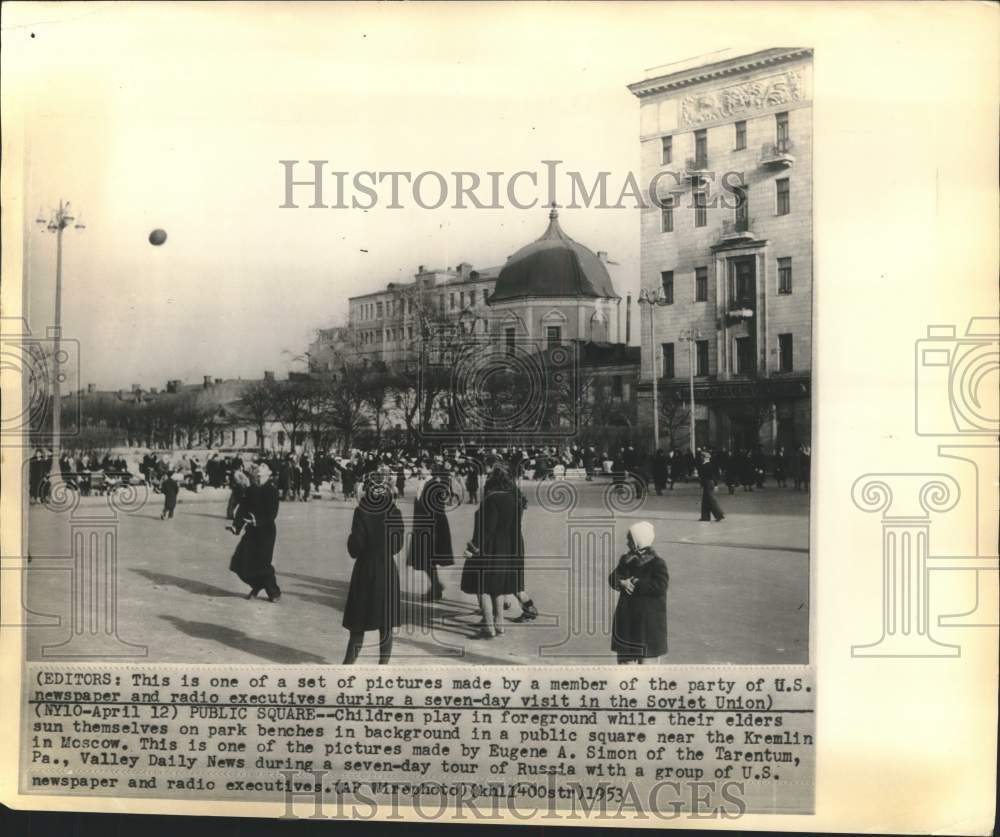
x=548, y=403
x=501, y=412
x=438, y=397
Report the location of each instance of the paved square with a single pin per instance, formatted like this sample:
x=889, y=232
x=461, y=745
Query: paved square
x=739, y=589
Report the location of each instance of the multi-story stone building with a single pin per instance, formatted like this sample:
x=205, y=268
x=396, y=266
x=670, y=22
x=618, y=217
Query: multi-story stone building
x=727, y=250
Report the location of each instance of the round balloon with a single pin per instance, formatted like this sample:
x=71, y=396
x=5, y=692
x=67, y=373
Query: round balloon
x=157, y=237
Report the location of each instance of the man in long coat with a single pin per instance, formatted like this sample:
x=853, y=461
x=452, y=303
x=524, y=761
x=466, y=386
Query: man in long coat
x=373, y=597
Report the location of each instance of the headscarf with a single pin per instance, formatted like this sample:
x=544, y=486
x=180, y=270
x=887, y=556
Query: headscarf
x=643, y=534
x=262, y=472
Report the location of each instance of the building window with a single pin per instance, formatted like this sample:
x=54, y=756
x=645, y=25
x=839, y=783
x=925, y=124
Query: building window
x=461, y=299
x=378, y=308
x=701, y=149
x=743, y=290
x=617, y=386
x=741, y=135
x=510, y=338
x=744, y=356
x=701, y=358
x=784, y=199
x=451, y=301
x=667, y=283
x=553, y=336
x=667, y=151
x=700, y=206
x=701, y=284
x=472, y=297
x=409, y=304
x=668, y=360
x=667, y=215
x=781, y=131
x=785, y=363
x=441, y=302
x=409, y=332
x=742, y=215
x=784, y=276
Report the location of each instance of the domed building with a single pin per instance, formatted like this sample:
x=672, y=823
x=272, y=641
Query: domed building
x=555, y=290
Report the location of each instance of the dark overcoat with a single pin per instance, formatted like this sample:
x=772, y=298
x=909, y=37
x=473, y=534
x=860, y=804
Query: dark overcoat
x=496, y=565
x=640, y=622
x=253, y=556
x=376, y=536
x=430, y=539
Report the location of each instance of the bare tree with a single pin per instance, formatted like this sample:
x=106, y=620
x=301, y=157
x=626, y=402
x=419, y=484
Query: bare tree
x=258, y=401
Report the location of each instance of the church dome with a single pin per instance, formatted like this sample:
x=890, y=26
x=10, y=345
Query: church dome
x=554, y=265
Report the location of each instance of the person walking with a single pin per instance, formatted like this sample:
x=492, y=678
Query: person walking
x=641, y=578
x=430, y=540
x=708, y=479
x=255, y=519
x=373, y=602
x=472, y=482
x=169, y=489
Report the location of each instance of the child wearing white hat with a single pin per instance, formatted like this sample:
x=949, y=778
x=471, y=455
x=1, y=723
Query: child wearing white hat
x=639, y=629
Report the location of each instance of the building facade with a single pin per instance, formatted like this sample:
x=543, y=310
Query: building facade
x=726, y=252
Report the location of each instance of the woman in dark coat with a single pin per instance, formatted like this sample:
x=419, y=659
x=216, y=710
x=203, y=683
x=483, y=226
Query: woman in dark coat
x=430, y=540
x=494, y=558
x=255, y=516
x=640, y=621
x=169, y=488
x=373, y=598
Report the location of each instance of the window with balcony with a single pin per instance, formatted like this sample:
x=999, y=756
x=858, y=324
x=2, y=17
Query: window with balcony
x=781, y=131
x=701, y=284
x=553, y=336
x=701, y=358
x=785, y=276
x=784, y=200
x=667, y=283
x=667, y=150
x=668, y=360
x=701, y=149
x=741, y=135
x=785, y=362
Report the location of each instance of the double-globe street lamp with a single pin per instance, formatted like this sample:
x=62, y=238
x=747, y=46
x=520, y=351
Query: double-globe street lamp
x=58, y=220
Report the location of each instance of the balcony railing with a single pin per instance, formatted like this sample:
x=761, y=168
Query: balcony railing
x=695, y=167
x=737, y=229
x=780, y=153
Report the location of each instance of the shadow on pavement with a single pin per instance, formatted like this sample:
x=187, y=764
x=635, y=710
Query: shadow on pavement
x=188, y=585
x=237, y=639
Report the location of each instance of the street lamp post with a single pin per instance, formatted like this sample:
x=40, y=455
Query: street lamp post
x=58, y=221
x=653, y=298
x=691, y=337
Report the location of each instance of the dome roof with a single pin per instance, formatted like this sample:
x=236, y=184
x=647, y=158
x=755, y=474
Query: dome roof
x=554, y=265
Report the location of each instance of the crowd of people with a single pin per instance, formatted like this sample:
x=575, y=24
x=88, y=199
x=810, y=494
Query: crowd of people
x=493, y=568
